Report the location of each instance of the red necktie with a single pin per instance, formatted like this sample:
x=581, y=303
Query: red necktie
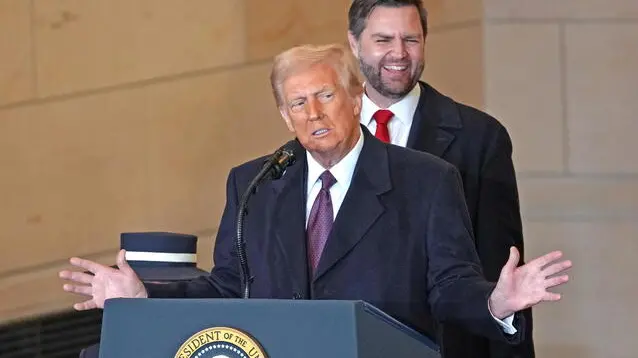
x=382, y=117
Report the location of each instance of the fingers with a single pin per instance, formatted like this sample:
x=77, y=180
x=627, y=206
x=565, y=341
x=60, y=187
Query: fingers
x=122, y=264
x=86, y=305
x=555, y=281
x=546, y=259
x=79, y=277
x=90, y=266
x=557, y=268
x=551, y=296
x=514, y=258
x=511, y=263
x=82, y=290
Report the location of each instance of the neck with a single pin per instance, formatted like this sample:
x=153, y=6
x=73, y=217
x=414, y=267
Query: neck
x=327, y=162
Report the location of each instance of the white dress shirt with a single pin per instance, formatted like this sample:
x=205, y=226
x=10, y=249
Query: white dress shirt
x=399, y=126
x=342, y=171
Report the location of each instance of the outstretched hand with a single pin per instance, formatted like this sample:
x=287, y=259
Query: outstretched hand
x=522, y=287
x=103, y=283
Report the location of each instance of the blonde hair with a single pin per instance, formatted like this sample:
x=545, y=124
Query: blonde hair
x=303, y=57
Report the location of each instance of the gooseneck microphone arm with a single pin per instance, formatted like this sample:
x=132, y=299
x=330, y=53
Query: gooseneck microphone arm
x=273, y=168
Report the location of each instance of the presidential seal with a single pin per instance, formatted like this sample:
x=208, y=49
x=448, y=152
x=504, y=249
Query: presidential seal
x=220, y=342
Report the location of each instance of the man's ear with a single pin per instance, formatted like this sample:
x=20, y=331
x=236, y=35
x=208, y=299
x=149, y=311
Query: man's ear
x=357, y=103
x=354, y=44
x=286, y=117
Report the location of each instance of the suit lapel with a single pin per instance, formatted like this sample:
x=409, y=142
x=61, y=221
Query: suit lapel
x=289, y=219
x=361, y=206
x=435, y=121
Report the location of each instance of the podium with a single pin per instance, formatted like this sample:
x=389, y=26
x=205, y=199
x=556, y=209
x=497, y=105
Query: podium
x=255, y=328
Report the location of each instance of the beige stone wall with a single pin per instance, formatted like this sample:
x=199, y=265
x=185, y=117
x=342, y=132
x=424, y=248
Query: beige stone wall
x=562, y=76
x=126, y=115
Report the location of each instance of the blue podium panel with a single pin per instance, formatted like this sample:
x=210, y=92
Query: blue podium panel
x=255, y=328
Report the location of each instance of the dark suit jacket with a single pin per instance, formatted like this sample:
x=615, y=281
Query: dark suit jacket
x=402, y=241
x=480, y=148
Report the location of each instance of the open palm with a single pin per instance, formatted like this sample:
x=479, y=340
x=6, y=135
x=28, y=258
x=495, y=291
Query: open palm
x=522, y=287
x=103, y=282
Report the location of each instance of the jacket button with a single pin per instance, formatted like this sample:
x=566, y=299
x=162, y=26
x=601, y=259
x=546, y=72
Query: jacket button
x=296, y=296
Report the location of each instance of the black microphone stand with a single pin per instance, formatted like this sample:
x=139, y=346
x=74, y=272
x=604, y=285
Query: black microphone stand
x=272, y=169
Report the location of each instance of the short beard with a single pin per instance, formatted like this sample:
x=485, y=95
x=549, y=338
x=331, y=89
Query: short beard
x=373, y=78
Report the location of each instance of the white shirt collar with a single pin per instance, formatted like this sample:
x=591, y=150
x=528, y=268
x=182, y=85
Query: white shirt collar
x=342, y=171
x=402, y=110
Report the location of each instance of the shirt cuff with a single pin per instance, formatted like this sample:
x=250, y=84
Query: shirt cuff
x=506, y=323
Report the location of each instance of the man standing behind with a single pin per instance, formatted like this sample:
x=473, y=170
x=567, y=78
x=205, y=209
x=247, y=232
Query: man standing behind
x=388, y=38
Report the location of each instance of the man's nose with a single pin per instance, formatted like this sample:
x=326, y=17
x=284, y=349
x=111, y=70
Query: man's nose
x=399, y=49
x=315, y=110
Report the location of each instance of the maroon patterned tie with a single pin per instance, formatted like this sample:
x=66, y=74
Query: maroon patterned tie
x=320, y=220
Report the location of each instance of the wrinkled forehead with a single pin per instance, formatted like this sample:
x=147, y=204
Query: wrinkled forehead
x=310, y=79
x=398, y=21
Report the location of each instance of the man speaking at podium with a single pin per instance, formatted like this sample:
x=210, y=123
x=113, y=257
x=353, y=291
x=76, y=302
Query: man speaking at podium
x=353, y=218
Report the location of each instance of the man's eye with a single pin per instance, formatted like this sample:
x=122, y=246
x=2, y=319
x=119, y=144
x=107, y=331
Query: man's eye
x=326, y=96
x=295, y=106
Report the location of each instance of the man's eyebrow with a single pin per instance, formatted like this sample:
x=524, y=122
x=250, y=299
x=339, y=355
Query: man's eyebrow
x=323, y=89
x=403, y=36
x=380, y=34
x=297, y=97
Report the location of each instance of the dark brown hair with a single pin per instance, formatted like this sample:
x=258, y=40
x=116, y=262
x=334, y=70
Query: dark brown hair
x=360, y=10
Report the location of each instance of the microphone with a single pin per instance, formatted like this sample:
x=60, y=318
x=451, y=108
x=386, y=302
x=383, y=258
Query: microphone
x=273, y=168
